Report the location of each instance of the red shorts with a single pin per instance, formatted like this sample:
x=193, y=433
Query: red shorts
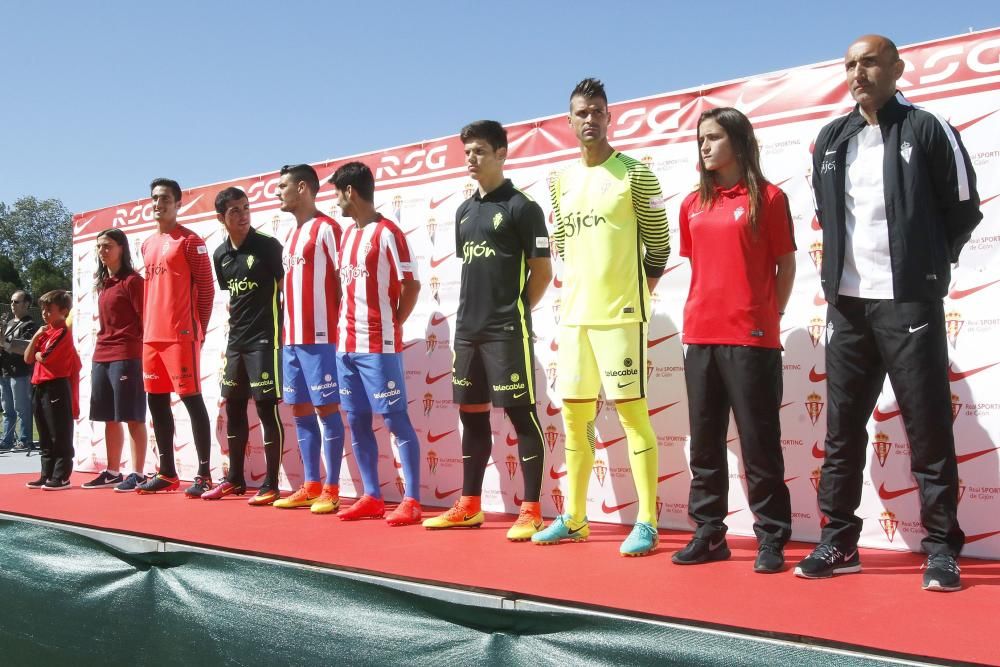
x=171, y=367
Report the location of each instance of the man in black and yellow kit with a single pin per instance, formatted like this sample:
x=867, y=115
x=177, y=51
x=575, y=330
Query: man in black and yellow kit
x=500, y=236
x=248, y=265
x=611, y=233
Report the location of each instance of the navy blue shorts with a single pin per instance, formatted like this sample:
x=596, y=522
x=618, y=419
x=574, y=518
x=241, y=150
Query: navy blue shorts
x=116, y=391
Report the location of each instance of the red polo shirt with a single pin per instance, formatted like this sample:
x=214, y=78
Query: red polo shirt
x=119, y=309
x=59, y=360
x=732, y=299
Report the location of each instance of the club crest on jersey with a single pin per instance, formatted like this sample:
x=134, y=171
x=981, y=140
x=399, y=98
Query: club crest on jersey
x=738, y=213
x=905, y=149
x=497, y=220
x=250, y=261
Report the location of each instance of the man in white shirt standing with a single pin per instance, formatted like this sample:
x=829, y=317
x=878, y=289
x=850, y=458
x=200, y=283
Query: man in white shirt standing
x=896, y=196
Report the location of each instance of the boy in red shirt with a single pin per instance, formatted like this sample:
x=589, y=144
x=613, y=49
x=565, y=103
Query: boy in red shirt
x=56, y=401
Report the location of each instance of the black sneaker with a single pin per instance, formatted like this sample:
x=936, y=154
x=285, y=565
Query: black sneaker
x=57, y=485
x=200, y=486
x=941, y=573
x=103, y=481
x=36, y=484
x=770, y=559
x=130, y=483
x=827, y=560
x=157, y=484
x=702, y=550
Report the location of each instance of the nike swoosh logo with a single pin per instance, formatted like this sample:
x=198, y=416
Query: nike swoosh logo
x=785, y=405
x=178, y=448
x=791, y=479
x=955, y=376
x=431, y=379
x=431, y=437
x=815, y=376
x=410, y=231
x=462, y=221
x=407, y=346
x=394, y=401
x=712, y=546
x=980, y=536
x=552, y=410
x=913, y=329
x=441, y=495
x=438, y=318
x=604, y=444
x=520, y=395
x=511, y=440
x=327, y=394
x=529, y=458
x=259, y=477
x=55, y=400
x=962, y=458
x=627, y=384
x=962, y=293
x=653, y=342
x=227, y=262
x=817, y=452
x=267, y=390
x=880, y=416
x=611, y=509
x=886, y=494
x=969, y=123
x=439, y=261
x=662, y=408
x=78, y=228
x=556, y=475
x=187, y=207
x=641, y=451
x=437, y=202
x=663, y=478
x=833, y=152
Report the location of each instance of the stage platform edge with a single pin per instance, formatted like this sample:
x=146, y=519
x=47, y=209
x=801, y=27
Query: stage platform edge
x=463, y=595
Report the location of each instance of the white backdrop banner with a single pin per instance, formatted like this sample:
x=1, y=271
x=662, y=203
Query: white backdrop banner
x=421, y=185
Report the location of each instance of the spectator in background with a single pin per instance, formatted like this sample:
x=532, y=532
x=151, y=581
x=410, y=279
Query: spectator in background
x=15, y=374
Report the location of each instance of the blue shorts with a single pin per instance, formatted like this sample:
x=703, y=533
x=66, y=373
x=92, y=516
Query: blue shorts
x=371, y=382
x=310, y=374
x=116, y=393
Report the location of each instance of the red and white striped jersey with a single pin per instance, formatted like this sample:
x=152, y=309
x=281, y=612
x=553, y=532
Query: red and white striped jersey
x=374, y=260
x=312, y=295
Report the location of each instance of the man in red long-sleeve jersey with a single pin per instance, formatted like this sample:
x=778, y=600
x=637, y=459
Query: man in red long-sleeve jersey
x=176, y=308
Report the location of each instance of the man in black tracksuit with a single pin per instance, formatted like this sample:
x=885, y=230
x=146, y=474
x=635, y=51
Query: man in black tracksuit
x=896, y=197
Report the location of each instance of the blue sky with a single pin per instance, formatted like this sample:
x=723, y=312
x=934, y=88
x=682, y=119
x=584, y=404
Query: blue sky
x=99, y=98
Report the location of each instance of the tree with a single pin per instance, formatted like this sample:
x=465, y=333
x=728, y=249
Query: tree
x=37, y=237
x=10, y=279
x=43, y=277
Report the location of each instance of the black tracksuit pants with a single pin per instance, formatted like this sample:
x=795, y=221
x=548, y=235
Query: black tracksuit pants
x=748, y=380
x=867, y=339
x=52, y=404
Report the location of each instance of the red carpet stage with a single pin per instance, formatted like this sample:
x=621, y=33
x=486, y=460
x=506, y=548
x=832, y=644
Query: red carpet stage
x=882, y=609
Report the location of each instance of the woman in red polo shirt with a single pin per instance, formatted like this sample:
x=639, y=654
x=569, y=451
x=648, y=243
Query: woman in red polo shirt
x=117, y=394
x=736, y=230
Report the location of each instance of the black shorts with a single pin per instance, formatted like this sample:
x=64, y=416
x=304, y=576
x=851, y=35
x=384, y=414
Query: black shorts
x=253, y=373
x=497, y=371
x=116, y=391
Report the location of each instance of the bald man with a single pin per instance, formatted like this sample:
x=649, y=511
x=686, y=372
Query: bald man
x=896, y=197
